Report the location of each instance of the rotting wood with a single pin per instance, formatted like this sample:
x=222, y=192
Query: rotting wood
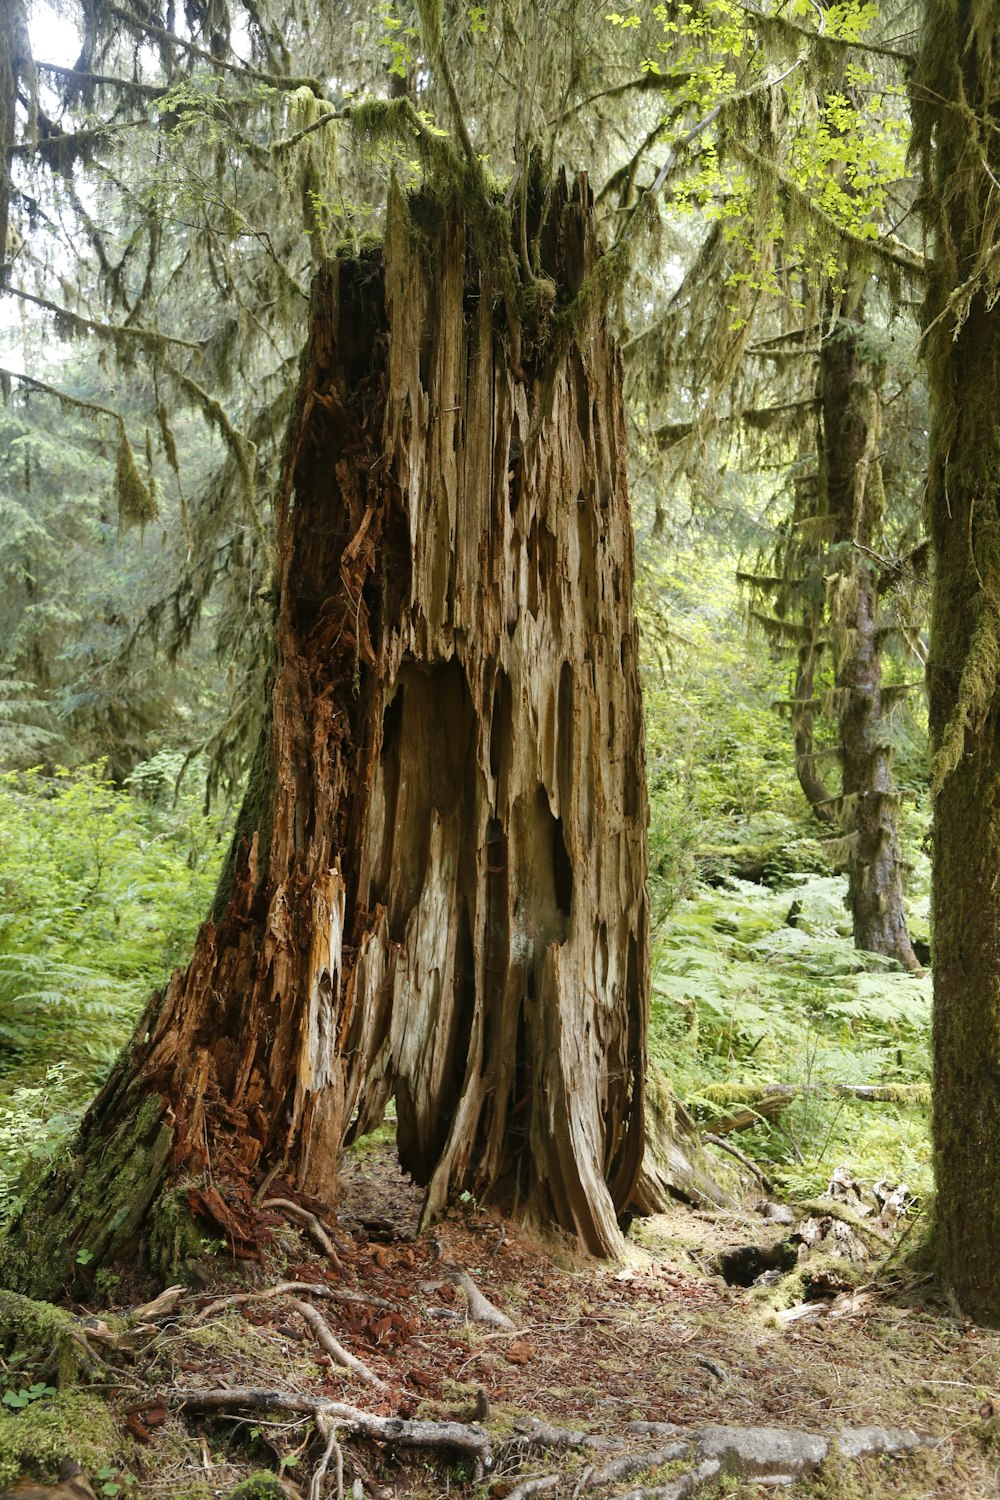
x=831, y=1208
x=163, y=1306
x=437, y=890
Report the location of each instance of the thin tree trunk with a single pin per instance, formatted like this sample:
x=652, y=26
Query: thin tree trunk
x=851, y=425
x=803, y=733
x=438, y=892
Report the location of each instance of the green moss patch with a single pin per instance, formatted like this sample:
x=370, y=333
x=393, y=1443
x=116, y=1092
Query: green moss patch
x=70, y=1424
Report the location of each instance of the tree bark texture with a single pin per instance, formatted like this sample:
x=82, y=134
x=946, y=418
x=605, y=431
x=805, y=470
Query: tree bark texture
x=959, y=83
x=438, y=893
x=869, y=804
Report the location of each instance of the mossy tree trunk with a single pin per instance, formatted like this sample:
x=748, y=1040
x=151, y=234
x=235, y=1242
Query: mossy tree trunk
x=851, y=483
x=956, y=104
x=438, y=887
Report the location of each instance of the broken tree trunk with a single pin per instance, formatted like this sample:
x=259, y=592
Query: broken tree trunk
x=437, y=891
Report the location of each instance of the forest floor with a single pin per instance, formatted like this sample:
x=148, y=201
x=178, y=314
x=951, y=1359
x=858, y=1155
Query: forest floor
x=594, y=1348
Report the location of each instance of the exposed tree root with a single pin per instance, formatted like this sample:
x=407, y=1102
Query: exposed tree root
x=316, y=1321
x=284, y=1288
x=333, y=1449
x=768, y=1455
x=481, y=1309
x=310, y=1223
x=458, y=1437
x=536, y=1436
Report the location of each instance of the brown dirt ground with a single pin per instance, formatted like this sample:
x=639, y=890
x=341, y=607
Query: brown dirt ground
x=596, y=1346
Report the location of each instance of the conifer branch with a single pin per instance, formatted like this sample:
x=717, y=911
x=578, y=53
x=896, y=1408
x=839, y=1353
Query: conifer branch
x=239, y=69
x=783, y=24
x=94, y=407
x=147, y=338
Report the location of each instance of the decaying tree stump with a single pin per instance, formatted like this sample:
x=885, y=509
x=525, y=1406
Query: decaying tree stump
x=437, y=890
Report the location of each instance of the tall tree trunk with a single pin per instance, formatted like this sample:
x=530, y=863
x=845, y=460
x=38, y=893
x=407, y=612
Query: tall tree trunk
x=438, y=892
x=15, y=64
x=852, y=475
x=956, y=102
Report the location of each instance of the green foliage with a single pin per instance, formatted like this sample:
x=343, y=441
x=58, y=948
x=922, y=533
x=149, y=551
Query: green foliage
x=101, y=892
x=741, y=996
x=97, y=877
x=719, y=765
x=803, y=167
x=753, y=984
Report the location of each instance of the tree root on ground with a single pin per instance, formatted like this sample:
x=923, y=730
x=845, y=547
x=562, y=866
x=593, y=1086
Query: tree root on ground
x=318, y=1324
x=310, y=1224
x=767, y=1455
x=458, y=1437
x=283, y=1288
x=481, y=1309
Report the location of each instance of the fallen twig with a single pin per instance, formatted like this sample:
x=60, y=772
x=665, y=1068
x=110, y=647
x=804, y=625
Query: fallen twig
x=309, y=1222
x=714, y=1368
x=741, y=1156
x=316, y=1321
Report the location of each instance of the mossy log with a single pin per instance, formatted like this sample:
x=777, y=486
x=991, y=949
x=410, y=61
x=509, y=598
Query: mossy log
x=49, y=1335
x=769, y=862
x=760, y=1102
x=438, y=886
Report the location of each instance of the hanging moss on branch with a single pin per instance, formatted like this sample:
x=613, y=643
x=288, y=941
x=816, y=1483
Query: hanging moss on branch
x=135, y=498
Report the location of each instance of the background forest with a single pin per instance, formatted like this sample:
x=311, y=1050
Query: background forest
x=750, y=167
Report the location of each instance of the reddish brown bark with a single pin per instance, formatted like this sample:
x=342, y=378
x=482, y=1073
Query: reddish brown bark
x=439, y=891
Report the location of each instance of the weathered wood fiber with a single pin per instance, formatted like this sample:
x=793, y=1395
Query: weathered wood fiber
x=439, y=891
